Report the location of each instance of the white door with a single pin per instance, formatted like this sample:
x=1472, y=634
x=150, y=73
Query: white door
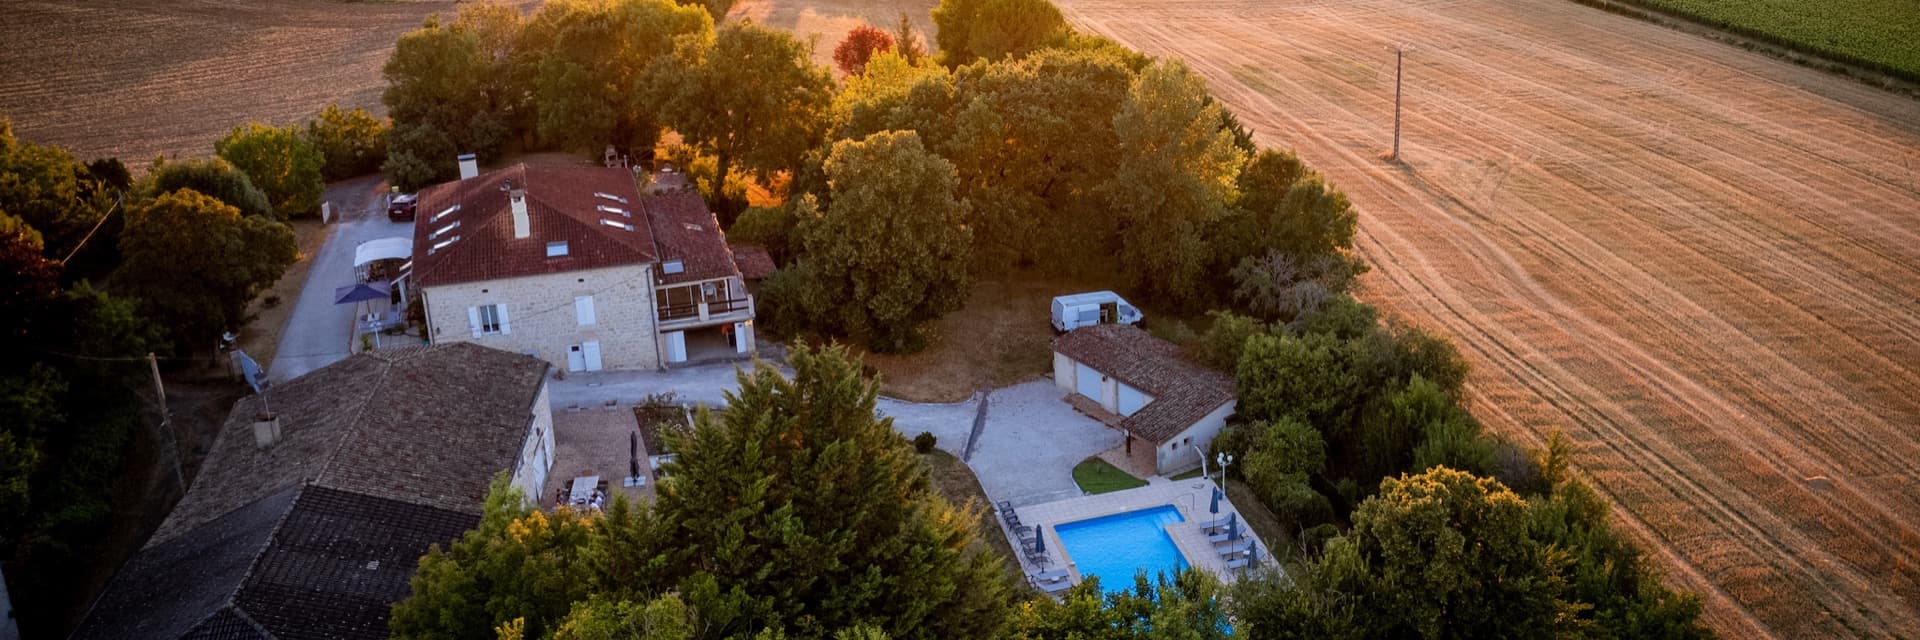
x=676, y=346
x=1087, y=382
x=591, y=351
x=576, y=360
x=743, y=336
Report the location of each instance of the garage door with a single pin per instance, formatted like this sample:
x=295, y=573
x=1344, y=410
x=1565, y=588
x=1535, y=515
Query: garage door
x=1131, y=400
x=1087, y=381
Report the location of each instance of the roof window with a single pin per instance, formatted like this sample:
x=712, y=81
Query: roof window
x=444, y=213
x=442, y=244
x=606, y=209
x=443, y=230
x=693, y=227
x=616, y=224
x=556, y=249
x=610, y=196
x=672, y=267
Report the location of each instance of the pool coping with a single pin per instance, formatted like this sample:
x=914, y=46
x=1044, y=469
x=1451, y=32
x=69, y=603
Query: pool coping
x=1189, y=497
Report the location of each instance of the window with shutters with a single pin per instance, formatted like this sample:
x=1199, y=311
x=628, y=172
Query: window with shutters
x=490, y=319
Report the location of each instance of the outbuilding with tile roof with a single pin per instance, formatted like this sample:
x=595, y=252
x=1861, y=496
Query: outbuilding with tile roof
x=1143, y=386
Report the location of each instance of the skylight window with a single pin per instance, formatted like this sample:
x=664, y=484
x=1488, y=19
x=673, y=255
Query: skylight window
x=693, y=227
x=610, y=196
x=671, y=267
x=444, y=213
x=606, y=209
x=443, y=230
x=443, y=244
x=616, y=224
x=556, y=249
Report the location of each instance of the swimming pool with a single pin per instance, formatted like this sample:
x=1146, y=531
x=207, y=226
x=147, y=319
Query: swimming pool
x=1116, y=547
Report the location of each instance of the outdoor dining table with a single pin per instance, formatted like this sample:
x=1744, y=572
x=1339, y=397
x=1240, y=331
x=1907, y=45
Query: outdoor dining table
x=583, y=487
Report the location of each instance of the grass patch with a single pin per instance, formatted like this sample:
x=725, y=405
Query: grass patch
x=1098, y=476
x=1874, y=33
x=1189, y=475
x=957, y=484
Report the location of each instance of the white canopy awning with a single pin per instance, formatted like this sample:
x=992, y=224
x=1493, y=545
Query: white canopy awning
x=383, y=249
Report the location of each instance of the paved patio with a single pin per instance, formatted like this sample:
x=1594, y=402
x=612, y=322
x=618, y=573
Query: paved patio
x=1190, y=497
x=594, y=442
x=1031, y=441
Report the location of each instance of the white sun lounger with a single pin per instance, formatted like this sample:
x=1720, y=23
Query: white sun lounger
x=1236, y=549
x=1054, y=575
x=1212, y=525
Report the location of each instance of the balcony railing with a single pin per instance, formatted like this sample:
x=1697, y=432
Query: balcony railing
x=737, y=308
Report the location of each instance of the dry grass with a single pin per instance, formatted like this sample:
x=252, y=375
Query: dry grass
x=827, y=23
x=1000, y=337
x=956, y=482
x=261, y=338
x=1699, y=262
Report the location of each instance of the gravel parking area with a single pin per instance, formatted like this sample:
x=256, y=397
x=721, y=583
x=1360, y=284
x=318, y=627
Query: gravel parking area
x=1031, y=441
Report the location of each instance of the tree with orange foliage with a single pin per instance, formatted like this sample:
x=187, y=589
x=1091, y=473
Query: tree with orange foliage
x=862, y=42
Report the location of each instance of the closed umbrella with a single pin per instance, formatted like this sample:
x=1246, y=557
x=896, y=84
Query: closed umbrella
x=1213, y=506
x=1233, y=526
x=633, y=454
x=1039, y=541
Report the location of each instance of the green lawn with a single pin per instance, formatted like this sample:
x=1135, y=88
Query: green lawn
x=1882, y=33
x=1188, y=475
x=1097, y=476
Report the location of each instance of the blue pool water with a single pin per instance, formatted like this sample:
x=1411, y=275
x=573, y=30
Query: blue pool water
x=1116, y=547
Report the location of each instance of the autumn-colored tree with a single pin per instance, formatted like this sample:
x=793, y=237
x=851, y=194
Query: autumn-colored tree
x=907, y=41
x=969, y=30
x=861, y=43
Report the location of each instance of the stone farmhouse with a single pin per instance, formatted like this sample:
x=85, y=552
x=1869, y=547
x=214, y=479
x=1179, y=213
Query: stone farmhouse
x=310, y=523
x=1139, y=384
x=574, y=266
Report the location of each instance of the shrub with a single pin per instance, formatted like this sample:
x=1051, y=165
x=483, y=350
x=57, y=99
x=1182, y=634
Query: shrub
x=924, y=442
x=353, y=143
x=1220, y=346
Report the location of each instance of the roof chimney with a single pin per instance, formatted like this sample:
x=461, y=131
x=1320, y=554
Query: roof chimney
x=521, y=226
x=469, y=166
x=266, y=430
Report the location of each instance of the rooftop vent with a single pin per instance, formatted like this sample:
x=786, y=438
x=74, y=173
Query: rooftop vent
x=610, y=196
x=266, y=430
x=556, y=249
x=606, y=209
x=672, y=267
x=444, y=213
x=443, y=230
x=693, y=227
x=442, y=244
x=616, y=224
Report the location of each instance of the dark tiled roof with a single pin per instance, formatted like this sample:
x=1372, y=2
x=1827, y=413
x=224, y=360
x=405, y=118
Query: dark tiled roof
x=308, y=562
x=427, y=426
x=561, y=207
x=685, y=230
x=1183, y=392
x=753, y=260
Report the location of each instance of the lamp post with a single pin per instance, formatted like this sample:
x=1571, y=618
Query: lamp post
x=1224, y=459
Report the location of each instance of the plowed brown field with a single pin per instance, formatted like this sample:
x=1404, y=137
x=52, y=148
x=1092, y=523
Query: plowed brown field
x=1700, y=263
x=138, y=79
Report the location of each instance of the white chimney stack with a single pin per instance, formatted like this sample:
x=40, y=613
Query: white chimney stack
x=521, y=226
x=266, y=430
x=469, y=166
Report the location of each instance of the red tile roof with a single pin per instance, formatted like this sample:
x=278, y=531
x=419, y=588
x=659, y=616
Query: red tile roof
x=755, y=263
x=1183, y=392
x=684, y=230
x=561, y=207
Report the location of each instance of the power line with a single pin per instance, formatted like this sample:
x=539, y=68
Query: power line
x=96, y=227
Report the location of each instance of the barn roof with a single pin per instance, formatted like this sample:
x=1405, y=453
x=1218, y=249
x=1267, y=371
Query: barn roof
x=1183, y=392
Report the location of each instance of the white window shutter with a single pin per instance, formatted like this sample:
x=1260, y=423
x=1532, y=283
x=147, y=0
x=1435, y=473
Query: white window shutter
x=473, y=320
x=583, y=309
x=505, y=326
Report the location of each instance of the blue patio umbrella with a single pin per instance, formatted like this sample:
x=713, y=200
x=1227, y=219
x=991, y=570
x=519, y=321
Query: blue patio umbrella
x=361, y=292
x=1039, y=541
x=1233, y=526
x=1213, y=506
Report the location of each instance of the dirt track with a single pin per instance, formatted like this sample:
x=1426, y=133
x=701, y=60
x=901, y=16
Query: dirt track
x=1700, y=263
x=138, y=79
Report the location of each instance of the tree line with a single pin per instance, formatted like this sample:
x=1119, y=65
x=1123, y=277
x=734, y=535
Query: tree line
x=101, y=269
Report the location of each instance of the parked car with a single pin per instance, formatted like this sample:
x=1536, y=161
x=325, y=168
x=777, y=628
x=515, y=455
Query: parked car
x=1099, y=307
x=401, y=207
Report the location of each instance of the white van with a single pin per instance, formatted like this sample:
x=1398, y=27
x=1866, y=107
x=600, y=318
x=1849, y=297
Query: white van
x=1099, y=307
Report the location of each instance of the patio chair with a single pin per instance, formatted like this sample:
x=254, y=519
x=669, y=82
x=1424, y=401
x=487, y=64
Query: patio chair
x=1237, y=563
x=1038, y=559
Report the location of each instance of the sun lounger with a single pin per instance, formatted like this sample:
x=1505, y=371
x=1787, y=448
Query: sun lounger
x=1053, y=575
x=1221, y=538
x=1051, y=588
x=1212, y=525
x=1238, y=563
x=1235, y=549
x=1039, y=559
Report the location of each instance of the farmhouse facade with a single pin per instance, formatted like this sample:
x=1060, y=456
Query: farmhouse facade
x=309, y=522
x=1145, y=389
x=574, y=266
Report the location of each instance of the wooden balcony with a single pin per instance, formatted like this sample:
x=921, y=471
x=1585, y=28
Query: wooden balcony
x=704, y=313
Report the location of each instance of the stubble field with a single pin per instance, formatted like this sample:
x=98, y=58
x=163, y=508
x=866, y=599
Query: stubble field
x=139, y=79
x=1702, y=264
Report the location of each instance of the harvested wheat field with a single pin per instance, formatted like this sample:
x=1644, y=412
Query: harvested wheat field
x=827, y=23
x=1701, y=263
x=138, y=79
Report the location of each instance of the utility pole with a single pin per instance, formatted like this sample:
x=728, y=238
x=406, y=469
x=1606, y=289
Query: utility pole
x=1399, y=53
x=166, y=424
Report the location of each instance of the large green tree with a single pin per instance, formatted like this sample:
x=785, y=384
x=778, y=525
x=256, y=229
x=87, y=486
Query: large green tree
x=452, y=89
x=750, y=95
x=588, y=61
x=281, y=162
x=1173, y=175
x=891, y=251
x=211, y=177
x=45, y=193
x=353, y=142
x=195, y=263
x=1189, y=605
x=968, y=30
